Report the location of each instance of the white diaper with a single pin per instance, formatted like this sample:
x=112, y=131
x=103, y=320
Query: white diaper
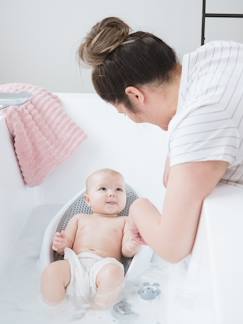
x=84, y=269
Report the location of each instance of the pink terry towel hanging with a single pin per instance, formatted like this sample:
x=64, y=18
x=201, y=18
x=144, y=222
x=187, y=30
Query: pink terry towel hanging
x=43, y=134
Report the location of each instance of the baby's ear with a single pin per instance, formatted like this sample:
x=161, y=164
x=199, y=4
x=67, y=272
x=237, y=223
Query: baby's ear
x=86, y=199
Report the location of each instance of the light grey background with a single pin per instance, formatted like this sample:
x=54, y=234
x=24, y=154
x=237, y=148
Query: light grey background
x=39, y=38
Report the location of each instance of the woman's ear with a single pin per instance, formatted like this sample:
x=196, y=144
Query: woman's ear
x=135, y=95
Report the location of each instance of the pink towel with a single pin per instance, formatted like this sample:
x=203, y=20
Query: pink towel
x=43, y=134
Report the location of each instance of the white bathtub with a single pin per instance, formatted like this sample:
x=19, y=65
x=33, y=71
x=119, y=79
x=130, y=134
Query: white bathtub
x=205, y=289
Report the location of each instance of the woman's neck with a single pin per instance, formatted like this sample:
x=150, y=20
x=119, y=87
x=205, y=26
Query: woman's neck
x=170, y=94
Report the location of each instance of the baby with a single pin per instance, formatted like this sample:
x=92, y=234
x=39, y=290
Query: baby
x=93, y=245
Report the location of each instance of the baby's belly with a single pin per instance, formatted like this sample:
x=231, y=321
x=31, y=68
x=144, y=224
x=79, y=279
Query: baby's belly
x=104, y=249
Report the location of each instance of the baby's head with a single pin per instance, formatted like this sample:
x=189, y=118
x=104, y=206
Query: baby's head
x=105, y=192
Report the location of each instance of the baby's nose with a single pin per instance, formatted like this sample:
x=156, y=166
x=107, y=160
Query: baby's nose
x=110, y=193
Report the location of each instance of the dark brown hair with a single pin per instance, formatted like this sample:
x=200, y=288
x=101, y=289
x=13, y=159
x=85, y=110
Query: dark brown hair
x=120, y=59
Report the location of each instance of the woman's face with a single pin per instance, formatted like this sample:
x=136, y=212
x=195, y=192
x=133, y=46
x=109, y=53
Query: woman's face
x=134, y=116
x=151, y=107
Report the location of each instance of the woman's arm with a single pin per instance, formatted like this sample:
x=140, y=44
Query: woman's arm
x=172, y=235
x=66, y=238
x=166, y=172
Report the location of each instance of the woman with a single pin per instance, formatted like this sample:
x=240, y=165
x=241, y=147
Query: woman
x=199, y=102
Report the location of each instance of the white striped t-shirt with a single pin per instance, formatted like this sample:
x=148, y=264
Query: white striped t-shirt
x=208, y=124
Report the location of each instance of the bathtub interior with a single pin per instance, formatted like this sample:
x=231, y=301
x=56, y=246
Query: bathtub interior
x=25, y=212
x=197, y=290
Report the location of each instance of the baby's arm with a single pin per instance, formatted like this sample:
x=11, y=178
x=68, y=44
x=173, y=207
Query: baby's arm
x=131, y=242
x=66, y=238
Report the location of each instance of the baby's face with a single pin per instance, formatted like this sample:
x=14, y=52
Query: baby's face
x=106, y=194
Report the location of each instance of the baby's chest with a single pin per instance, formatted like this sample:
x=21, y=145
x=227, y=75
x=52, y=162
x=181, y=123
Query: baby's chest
x=107, y=227
x=110, y=227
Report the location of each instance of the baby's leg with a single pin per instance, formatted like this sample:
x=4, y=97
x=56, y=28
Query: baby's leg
x=54, y=281
x=109, y=284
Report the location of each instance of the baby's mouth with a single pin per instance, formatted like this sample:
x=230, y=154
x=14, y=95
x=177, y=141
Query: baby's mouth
x=111, y=202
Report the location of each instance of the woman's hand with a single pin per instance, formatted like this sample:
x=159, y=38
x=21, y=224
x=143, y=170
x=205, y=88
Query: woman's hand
x=136, y=238
x=60, y=242
x=132, y=240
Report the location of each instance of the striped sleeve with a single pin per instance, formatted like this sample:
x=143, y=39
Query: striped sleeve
x=204, y=137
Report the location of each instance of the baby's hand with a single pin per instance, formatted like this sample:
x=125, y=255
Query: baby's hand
x=59, y=242
x=133, y=245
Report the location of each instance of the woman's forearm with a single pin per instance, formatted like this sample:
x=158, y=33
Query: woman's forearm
x=163, y=237
x=149, y=223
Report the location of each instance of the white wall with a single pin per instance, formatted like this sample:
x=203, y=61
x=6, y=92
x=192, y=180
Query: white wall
x=39, y=38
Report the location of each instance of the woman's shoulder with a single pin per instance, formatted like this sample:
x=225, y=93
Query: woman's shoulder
x=213, y=52
x=210, y=74
x=212, y=46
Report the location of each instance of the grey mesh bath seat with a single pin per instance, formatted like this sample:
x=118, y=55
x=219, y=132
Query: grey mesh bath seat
x=79, y=206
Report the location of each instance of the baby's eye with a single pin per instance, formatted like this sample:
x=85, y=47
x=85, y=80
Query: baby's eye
x=119, y=189
x=102, y=188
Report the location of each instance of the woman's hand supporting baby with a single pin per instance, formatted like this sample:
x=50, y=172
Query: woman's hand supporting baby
x=132, y=241
x=60, y=242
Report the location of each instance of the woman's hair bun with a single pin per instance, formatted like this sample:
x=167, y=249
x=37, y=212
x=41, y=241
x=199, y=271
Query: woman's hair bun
x=103, y=38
